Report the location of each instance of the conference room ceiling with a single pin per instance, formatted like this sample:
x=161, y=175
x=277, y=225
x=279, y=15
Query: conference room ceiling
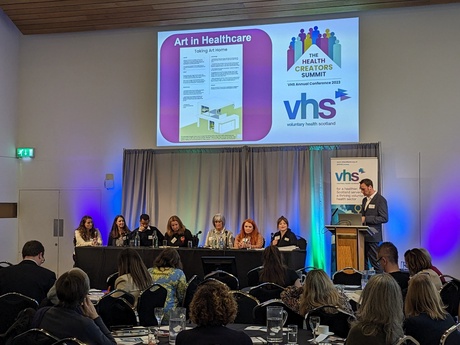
x=56, y=16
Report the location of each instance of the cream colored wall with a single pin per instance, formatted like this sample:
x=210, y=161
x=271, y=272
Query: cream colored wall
x=9, y=53
x=83, y=97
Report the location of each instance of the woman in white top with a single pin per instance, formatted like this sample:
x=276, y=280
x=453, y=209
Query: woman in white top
x=86, y=234
x=219, y=231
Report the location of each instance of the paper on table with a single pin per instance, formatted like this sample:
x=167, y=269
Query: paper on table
x=320, y=337
x=258, y=340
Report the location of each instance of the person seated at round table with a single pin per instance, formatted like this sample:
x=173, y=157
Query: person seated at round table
x=212, y=308
x=133, y=274
x=167, y=271
x=275, y=271
x=418, y=263
x=426, y=316
x=75, y=316
x=86, y=234
x=284, y=236
x=380, y=315
x=219, y=232
x=249, y=236
x=176, y=234
x=317, y=290
x=119, y=233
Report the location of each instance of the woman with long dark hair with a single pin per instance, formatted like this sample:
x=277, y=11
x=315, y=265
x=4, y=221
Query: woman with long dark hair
x=86, y=234
x=119, y=233
x=275, y=271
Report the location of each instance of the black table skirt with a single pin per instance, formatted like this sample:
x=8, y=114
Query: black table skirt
x=100, y=262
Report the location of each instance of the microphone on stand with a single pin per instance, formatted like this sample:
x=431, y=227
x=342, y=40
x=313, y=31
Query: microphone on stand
x=196, y=239
x=333, y=214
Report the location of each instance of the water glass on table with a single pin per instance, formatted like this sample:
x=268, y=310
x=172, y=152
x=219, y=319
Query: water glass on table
x=292, y=334
x=176, y=323
x=314, y=322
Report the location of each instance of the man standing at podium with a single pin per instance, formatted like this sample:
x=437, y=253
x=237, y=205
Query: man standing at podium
x=374, y=212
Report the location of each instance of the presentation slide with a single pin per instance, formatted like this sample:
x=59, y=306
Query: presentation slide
x=293, y=83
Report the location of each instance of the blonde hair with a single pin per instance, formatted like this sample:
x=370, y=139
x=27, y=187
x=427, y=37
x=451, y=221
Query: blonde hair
x=318, y=290
x=381, y=308
x=422, y=297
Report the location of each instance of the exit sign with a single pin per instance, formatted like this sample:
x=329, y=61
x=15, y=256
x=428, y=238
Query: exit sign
x=25, y=152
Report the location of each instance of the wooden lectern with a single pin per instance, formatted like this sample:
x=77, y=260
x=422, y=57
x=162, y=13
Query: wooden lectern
x=349, y=245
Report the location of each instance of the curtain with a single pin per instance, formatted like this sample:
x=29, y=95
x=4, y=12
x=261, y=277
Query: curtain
x=261, y=183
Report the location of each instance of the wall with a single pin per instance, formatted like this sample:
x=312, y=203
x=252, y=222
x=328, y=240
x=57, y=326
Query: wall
x=9, y=53
x=86, y=96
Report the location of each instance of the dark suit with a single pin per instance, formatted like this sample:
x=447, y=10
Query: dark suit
x=147, y=236
x=375, y=215
x=28, y=279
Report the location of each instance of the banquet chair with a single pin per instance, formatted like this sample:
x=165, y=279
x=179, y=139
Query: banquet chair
x=34, y=336
x=302, y=272
x=407, y=339
x=116, y=311
x=123, y=294
x=190, y=290
x=451, y=336
x=152, y=297
x=4, y=264
x=227, y=278
x=450, y=295
x=259, y=313
x=253, y=276
x=69, y=341
x=266, y=291
x=337, y=319
x=111, y=281
x=347, y=276
x=301, y=243
x=246, y=304
x=10, y=305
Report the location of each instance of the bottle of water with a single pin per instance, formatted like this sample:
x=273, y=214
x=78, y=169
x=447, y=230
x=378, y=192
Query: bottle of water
x=221, y=242
x=137, y=239
x=155, y=240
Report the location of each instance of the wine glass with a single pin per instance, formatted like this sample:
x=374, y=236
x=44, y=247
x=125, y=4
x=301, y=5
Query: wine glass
x=159, y=313
x=314, y=322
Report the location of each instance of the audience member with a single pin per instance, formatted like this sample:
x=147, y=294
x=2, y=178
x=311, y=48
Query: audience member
x=418, y=263
x=211, y=309
x=218, y=233
x=249, y=236
x=434, y=268
x=28, y=277
x=75, y=316
x=380, y=314
x=176, y=233
x=317, y=290
x=426, y=317
x=167, y=271
x=86, y=234
x=146, y=231
x=284, y=236
x=52, y=298
x=133, y=275
x=388, y=261
x=275, y=271
x=119, y=233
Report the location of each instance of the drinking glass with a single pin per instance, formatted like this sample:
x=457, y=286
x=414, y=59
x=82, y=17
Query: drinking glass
x=292, y=334
x=314, y=322
x=159, y=313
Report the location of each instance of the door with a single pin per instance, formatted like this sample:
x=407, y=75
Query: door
x=51, y=217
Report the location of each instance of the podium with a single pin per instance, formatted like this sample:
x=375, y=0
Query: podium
x=349, y=245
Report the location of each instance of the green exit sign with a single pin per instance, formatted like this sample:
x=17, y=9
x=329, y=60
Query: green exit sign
x=25, y=152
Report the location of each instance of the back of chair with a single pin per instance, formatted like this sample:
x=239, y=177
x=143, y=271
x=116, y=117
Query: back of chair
x=116, y=312
x=253, y=276
x=451, y=336
x=450, y=295
x=347, y=276
x=34, y=336
x=192, y=286
x=5, y=264
x=259, y=313
x=10, y=305
x=407, y=339
x=111, y=281
x=301, y=243
x=337, y=319
x=266, y=291
x=246, y=304
x=149, y=299
x=117, y=293
x=69, y=341
x=227, y=278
